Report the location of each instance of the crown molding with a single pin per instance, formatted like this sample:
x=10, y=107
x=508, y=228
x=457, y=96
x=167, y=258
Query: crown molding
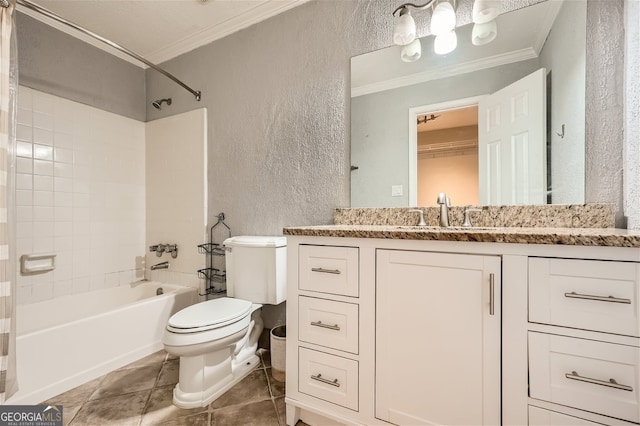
x=447, y=71
x=207, y=35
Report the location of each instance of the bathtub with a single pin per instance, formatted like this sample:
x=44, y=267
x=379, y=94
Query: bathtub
x=65, y=342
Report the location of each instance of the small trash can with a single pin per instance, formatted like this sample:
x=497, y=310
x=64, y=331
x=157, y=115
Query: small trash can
x=278, y=352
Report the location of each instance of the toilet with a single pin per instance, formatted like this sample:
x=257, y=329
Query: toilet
x=217, y=340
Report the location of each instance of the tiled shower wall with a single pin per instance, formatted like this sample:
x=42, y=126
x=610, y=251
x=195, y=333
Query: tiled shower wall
x=80, y=193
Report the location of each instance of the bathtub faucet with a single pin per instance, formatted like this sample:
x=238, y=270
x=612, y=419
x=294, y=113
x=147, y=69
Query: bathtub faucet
x=161, y=265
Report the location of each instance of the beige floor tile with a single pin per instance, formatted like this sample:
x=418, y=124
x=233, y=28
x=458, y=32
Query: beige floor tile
x=128, y=380
x=266, y=357
x=121, y=410
x=262, y=413
x=161, y=409
x=72, y=400
x=169, y=373
x=252, y=388
x=277, y=388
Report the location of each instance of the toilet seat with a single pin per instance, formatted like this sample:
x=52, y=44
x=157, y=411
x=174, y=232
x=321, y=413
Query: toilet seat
x=209, y=315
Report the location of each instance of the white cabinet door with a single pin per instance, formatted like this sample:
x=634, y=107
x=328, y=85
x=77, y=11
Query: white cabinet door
x=437, y=338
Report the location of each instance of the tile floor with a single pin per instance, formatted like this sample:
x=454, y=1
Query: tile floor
x=141, y=393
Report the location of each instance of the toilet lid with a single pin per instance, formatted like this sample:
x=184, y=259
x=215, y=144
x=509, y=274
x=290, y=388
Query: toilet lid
x=210, y=314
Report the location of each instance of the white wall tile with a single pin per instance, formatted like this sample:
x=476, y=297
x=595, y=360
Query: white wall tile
x=24, y=197
x=42, y=136
x=42, y=152
x=63, y=214
x=43, y=214
x=63, y=155
x=24, y=149
x=43, y=198
x=63, y=170
x=62, y=140
x=41, y=167
x=42, y=292
x=24, y=295
x=62, y=288
x=25, y=116
x=24, y=165
x=42, y=102
x=42, y=244
x=24, y=181
x=24, y=213
x=80, y=193
x=24, y=133
x=43, y=183
x=42, y=121
x=62, y=184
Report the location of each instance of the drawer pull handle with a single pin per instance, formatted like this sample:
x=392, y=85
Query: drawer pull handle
x=330, y=327
x=574, y=295
x=492, y=305
x=326, y=271
x=611, y=383
x=319, y=378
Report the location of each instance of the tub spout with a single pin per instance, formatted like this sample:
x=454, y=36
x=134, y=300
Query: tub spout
x=161, y=265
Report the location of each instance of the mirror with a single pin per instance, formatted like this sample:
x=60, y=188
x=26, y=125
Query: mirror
x=389, y=150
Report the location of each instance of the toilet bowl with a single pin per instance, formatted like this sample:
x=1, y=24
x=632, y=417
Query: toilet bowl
x=217, y=340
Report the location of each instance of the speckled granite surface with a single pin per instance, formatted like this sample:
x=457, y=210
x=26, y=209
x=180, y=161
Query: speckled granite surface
x=547, y=216
x=605, y=237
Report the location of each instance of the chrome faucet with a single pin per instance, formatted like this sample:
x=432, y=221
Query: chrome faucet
x=161, y=265
x=421, y=222
x=445, y=203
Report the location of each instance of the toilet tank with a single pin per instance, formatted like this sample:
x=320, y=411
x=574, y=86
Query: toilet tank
x=257, y=268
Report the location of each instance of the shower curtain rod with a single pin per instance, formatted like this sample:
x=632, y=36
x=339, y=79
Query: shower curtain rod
x=52, y=15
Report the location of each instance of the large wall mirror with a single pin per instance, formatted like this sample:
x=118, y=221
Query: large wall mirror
x=423, y=127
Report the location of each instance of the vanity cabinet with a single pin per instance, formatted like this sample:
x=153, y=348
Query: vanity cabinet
x=395, y=331
x=437, y=338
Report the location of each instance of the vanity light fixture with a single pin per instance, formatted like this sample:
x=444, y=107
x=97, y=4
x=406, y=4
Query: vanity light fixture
x=443, y=26
x=443, y=19
x=485, y=10
x=445, y=43
x=412, y=51
x=484, y=33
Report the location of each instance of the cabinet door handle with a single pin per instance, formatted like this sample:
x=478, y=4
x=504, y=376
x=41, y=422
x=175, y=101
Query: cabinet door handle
x=319, y=378
x=320, y=324
x=326, y=271
x=492, y=285
x=611, y=383
x=574, y=295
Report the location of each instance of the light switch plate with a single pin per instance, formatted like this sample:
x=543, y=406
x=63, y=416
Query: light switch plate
x=396, y=190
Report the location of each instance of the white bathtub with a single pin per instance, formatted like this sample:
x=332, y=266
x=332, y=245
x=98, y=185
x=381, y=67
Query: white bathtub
x=65, y=342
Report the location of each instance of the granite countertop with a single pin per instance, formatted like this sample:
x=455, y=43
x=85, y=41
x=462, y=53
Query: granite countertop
x=604, y=237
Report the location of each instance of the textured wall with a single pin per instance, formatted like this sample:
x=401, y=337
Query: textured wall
x=632, y=115
x=57, y=63
x=604, y=110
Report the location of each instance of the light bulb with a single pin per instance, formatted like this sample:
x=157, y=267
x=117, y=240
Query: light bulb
x=443, y=19
x=445, y=43
x=412, y=51
x=485, y=10
x=405, y=28
x=484, y=33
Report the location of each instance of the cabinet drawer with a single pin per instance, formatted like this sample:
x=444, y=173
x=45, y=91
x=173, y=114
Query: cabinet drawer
x=328, y=323
x=329, y=269
x=542, y=417
x=587, y=294
x=586, y=374
x=328, y=377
